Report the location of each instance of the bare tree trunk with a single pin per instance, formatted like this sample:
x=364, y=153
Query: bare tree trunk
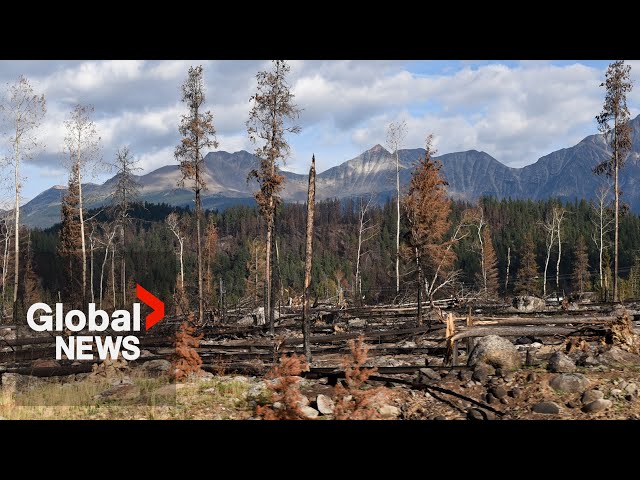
x=397, y=223
x=506, y=277
x=308, y=260
x=267, y=270
x=113, y=275
x=5, y=261
x=483, y=268
x=616, y=297
x=199, y=244
x=546, y=262
x=601, y=249
x=17, y=229
x=91, y=245
x=83, y=244
x=123, y=269
x=255, y=293
x=181, y=242
x=104, y=262
x=419, y=270
x=559, y=258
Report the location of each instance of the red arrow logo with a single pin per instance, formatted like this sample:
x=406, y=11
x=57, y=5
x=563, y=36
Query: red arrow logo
x=154, y=302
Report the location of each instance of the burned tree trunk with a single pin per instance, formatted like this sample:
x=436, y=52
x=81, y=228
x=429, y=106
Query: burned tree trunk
x=308, y=259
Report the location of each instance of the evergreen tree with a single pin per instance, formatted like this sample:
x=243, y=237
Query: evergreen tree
x=581, y=266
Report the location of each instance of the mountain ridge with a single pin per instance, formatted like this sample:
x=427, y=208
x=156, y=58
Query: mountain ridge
x=565, y=173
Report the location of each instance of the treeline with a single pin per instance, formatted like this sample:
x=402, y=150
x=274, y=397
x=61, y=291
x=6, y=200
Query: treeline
x=152, y=253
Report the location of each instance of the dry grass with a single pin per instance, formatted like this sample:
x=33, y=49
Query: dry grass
x=215, y=398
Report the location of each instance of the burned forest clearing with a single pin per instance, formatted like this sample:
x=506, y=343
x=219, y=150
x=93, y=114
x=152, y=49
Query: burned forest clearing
x=411, y=302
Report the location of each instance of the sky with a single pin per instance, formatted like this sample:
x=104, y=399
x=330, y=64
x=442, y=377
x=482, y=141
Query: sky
x=516, y=111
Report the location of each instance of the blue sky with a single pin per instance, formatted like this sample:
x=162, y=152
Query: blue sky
x=516, y=111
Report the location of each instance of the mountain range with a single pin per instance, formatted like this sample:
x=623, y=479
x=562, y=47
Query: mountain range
x=565, y=174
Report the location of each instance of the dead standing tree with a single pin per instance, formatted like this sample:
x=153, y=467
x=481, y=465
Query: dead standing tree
x=272, y=107
x=602, y=220
x=558, y=216
x=308, y=260
x=365, y=233
x=618, y=136
x=427, y=210
x=198, y=134
x=396, y=133
x=82, y=154
x=126, y=192
x=22, y=115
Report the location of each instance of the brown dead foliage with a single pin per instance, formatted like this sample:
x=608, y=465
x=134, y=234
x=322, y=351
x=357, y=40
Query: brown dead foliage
x=355, y=402
x=186, y=360
x=284, y=386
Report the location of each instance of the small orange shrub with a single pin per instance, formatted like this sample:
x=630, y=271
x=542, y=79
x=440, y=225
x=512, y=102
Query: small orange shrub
x=186, y=359
x=285, y=389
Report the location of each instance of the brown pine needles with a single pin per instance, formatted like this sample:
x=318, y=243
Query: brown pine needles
x=284, y=386
x=186, y=359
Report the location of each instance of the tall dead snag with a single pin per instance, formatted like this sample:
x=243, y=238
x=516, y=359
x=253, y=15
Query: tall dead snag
x=355, y=402
x=272, y=107
x=365, y=233
x=308, y=259
x=396, y=133
x=558, y=216
x=22, y=114
x=82, y=152
x=198, y=134
x=549, y=226
x=284, y=386
x=6, y=230
x=125, y=193
x=186, y=360
x=581, y=266
x=69, y=247
x=618, y=136
x=427, y=210
x=602, y=219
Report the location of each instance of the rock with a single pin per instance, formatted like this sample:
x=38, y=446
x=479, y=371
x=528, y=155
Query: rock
x=465, y=375
x=325, y=404
x=496, y=351
x=546, y=408
x=45, y=363
x=532, y=377
x=309, y=412
x=246, y=321
x=524, y=340
x=570, y=382
x=631, y=389
x=515, y=392
x=591, y=396
x=389, y=411
x=145, y=354
x=480, y=414
x=509, y=377
x=631, y=398
x=597, y=406
x=304, y=401
x=616, y=392
x=616, y=357
x=125, y=391
x=430, y=373
x=588, y=360
x=157, y=367
x=561, y=363
x=258, y=316
x=622, y=385
x=499, y=391
x=528, y=303
x=481, y=372
x=504, y=401
x=407, y=344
